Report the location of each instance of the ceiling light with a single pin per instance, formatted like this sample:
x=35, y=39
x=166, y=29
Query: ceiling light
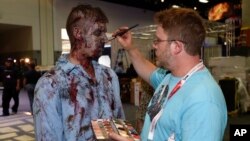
x=175, y=6
x=162, y=0
x=153, y=30
x=145, y=34
x=144, y=38
x=203, y=1
x=27, y=60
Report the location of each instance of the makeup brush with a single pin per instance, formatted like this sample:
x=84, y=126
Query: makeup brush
x=123, y=32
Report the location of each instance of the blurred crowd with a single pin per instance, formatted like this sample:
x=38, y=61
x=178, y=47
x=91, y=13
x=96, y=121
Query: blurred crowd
x=15, y=76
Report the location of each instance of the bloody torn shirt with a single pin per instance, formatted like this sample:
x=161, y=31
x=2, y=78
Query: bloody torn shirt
x=67, y=99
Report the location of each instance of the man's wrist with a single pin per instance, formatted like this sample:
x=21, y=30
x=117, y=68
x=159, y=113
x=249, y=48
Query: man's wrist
x=130, y=48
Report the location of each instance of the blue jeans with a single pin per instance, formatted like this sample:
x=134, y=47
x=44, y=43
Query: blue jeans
x=30, y=90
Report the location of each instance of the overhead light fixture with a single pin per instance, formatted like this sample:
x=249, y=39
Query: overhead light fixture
x=162, y=0
x=203, y=1
x=175, y=6
x=145, y=34
x=27, y=60
x=144, y=38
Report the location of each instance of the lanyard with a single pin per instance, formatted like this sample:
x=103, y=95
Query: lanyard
x=185, y=78
x=174, y=90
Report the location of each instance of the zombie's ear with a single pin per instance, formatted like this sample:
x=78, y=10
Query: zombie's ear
x=77, y=33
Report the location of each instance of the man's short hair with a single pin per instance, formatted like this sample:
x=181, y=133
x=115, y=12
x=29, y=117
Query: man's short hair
x=82, y=14
x=183, y=24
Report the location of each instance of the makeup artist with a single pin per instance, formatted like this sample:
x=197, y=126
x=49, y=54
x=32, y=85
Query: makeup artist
x=78, y=89
x=188, y=104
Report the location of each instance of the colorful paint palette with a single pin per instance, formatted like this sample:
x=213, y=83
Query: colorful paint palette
x=102, y=127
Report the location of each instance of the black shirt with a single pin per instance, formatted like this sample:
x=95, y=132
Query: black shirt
x=10, y=77
x=32, y=76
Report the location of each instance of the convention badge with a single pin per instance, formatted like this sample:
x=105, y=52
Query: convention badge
x=171, y=137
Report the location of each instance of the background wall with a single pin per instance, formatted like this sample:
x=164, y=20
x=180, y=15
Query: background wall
x=118, y=16
x=27, y=13
x=22, y=12
x=45, y=18
x=20, y=35
x=245, y=13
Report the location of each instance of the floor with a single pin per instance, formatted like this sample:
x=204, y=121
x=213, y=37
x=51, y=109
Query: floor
x=19, y=127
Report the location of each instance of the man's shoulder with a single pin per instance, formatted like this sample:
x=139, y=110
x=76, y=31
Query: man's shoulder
x=54, y=78
x=105, y=68
x=110, y=71
x=53, y=72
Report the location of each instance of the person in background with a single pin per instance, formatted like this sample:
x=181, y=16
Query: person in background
x=119, y=69
x=19, y=69
x=22, y=67
x=11, y=84
x=1, y=81
x=188, y=104
x=29, y=82
x=131, y=71
x=78, y=89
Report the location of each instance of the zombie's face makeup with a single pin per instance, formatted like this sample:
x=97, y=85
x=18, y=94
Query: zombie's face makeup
x=95, y=39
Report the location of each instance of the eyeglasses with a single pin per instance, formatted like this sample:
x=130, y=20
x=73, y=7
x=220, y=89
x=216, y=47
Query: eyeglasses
x=157, y=41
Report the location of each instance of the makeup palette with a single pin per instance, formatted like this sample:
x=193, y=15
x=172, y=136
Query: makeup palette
x=102, y=127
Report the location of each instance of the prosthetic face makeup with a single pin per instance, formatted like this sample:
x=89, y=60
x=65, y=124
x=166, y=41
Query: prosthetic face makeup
x=94, y=40
x=89, y=40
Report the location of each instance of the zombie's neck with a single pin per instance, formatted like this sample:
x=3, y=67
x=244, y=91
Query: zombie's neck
x=86, y=64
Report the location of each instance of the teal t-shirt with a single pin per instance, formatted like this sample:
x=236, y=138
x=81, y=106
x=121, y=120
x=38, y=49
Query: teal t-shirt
x=196, y=112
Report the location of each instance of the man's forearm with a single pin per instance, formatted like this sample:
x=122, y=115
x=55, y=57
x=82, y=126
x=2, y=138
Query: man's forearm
x=143, y=67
